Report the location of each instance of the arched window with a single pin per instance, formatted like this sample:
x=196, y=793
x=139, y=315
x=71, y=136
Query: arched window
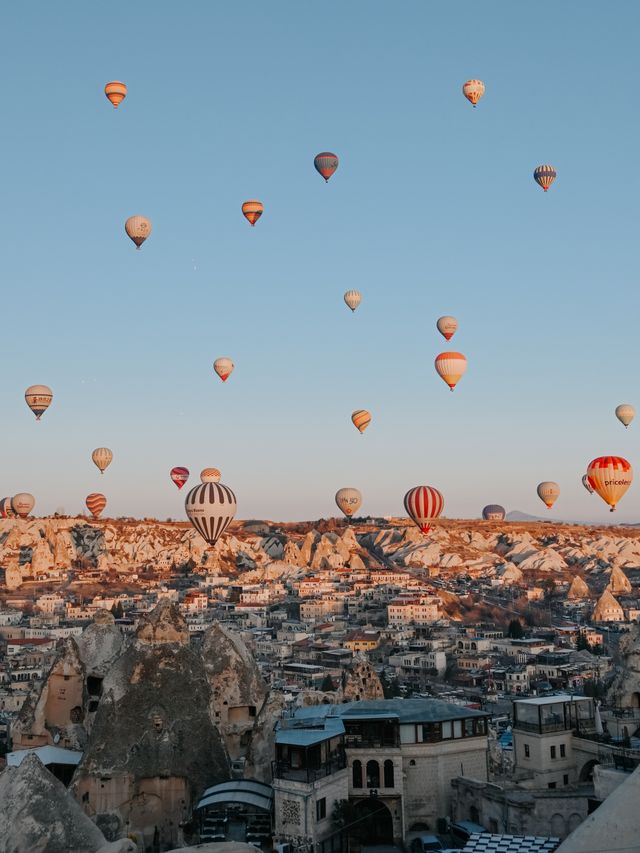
x=357, y=774
x=373, y=774
x=388, y=773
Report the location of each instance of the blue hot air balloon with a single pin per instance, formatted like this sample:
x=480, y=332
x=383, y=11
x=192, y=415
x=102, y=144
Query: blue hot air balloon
x=544, y=175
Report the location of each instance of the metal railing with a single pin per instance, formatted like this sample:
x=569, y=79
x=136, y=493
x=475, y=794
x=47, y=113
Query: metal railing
x=283, y=770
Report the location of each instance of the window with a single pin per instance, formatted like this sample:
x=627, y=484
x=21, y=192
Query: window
x=565, y=779
x=373, y=774
x=468, y=728
x=388, y=774
x=551, y=785
x=553, y=751
x=457, y=728
x=527, y=753
x=321, y=808
x=481, y=727
x=563, y=751
x=447, y=731
x=356, y=771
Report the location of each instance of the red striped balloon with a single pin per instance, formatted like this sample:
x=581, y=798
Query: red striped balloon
x=326, y=163
x=96, y=503
x=423, y=505
x=179, y=475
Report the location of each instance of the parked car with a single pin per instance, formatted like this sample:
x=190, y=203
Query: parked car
x=462, y=830
x=426, y=844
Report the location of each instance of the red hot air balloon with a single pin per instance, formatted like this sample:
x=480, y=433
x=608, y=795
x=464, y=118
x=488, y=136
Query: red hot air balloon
x=96, y=503
x=326, y=163
x=179, y=476
x=423, y=504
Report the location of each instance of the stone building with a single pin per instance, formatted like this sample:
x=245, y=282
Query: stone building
x=607, y=609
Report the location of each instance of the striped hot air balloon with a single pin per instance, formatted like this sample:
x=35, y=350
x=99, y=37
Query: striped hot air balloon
x=544, y=175
x=210, y=475
x=586, y=483
x=138, y=228
x=473, y=90
x=38, y=399
x=353, y=299
x=610, y=477
x=361, y=419
x=451, y=367
x=179, y=475
x=326, y=163
x=252, y=211
x=210, y=508
x=96, y=503
x=625, y=413
x=223, y=367
x=102, y=457
x=349, y=500
x=22, y=504
x=6, y=510
x=548, y=492
x=116, y=92
x=493, y=512
x=447, y=326
x=423, y=505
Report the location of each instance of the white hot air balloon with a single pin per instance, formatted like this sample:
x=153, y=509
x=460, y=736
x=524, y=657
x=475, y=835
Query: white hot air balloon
x=447, y=326
x=22, y=504
x=223, y=367
x=38, y=399
x=548, y=492
x=210, y=507
x=625, y=413
x=586, y=483
x=353, y=299
x=349, y=500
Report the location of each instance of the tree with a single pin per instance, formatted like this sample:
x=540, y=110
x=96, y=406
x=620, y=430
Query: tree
x=117, y=610
x=515, y=630
x=582, y=644
x=327, y=684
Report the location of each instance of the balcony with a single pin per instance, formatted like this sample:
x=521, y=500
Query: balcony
x=308, y=775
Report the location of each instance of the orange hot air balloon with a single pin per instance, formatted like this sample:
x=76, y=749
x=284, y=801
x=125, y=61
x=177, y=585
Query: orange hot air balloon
x=210, y=475
x=473, y=90
x=361, y=419
x=116, y=92
x=326, y=163
x=96, y=503
x=610, y=477
x=253, y=210
x=451, y=366
x=138, y=228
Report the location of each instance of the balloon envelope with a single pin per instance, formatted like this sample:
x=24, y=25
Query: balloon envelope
x=210, y=508
x=223, y=367
x=96, y=503
x=326, y=163
x=6, y=510
x=38, y=399
x=473, y=90
x=138, y=229
x=493, y=512
x=447, y=327
x=102, y=457
x=544, y=175
x=210, y=475
x=451, y=366
x=610, y=477
x=179, y=475
x=361, y=419
x=353, y=299
x=349, y=500
x=548, y=492
x=116, y=92
x=625, y=413
x=252, y=211
x=423, y=504
x=22, y=504
x=586, y=483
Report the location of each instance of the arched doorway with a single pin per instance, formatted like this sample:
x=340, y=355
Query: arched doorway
x=635, y=700
x=373, y=824
x=586, y=774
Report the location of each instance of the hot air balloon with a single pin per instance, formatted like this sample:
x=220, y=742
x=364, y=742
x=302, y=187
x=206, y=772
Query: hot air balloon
x=423, y=504
x=349, y=500
x=210, y=508
x=610, y=477
x=493, y=512
x=6, y=510
x=22, y=504
x=473, y=90
x=545, y=176
x=179, y=475
x=625, y=413
x=361, y=419
x=38, y=399
x=586, y=483
x=223, y=367
x=252, y=211
x=95, y=504
x=353, y=299
x=447, y=327
x=210, y=475
x=102, y=457
x=548, y=492
x=326, y=163
x=451, y=367
x=116, y=92
x=138, y=228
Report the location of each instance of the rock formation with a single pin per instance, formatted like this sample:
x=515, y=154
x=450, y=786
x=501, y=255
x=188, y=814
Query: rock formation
x=607, y=609
x=578, y=590
x=624, y=691
x=361, y=682
x=619, y=583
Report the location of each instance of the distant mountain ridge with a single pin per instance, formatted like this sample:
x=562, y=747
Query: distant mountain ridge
x=516, y=515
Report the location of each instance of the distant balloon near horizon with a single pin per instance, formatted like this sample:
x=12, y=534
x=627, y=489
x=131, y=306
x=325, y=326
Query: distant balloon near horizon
x=96, y=503
x=102, y=457
x=353, y=298
x=349, y=500
x=326, y=163
x=6, y=510
x=548, y=492
x=447, y=326
x=223, y=367
x=451, y=367
x=22, y=504
x=494, y=512
x=361, y=419
x=473, y=90
x=423, y=505
x=210, y=475
x=210, y=508
x=38, y=399
x=610, y=477
x=252, y=211
x=625, y=413
x=586, y=483
x=544, y=175
x=138, y=228
x=116, y=92
x=179, y=475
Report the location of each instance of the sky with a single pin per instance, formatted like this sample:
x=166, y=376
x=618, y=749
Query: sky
x=433, y=210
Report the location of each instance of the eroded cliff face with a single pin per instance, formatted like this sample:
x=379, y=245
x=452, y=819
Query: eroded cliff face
x=624, y=690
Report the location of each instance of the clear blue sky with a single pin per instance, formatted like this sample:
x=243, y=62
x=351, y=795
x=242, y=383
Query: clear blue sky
x=433, y=210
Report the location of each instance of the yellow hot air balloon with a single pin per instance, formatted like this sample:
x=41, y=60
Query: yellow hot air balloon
x=625, y=413
x=610, y=477
x=252, y=211
x=451, y=366
x=102, y=457
x=138, y=228
x=447, y=326
x=116, y=92
x=473, y=90
x=548, y=492
x=361, y=419
x=223, y=367
x=353, y=299
x=210, y=475
x=349, y=500
x=38, y=399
